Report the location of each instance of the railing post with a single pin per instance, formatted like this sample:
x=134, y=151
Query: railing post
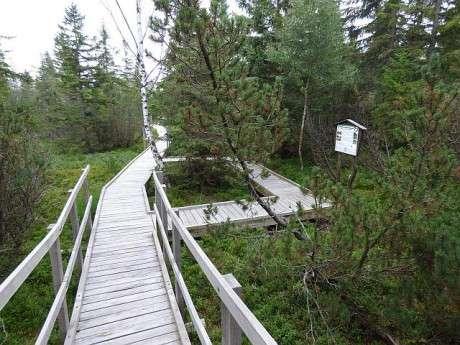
x=176, y=247
x=75, y=222
x=87, y=195
x=58, y=274
x=86, y=188
x=231, y=332
x=159, y=217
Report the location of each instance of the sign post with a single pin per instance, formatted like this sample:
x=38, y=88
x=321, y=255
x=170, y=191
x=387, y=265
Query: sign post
x=347, y=136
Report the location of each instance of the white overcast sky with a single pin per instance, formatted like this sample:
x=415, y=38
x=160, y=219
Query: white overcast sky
x=33, y=24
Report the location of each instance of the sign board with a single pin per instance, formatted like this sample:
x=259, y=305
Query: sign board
x=346, y=139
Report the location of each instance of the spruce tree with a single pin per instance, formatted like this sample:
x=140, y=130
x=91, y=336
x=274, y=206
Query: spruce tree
x=72, y=54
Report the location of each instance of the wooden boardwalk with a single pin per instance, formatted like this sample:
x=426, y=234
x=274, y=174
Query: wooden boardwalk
x=286, y=197
x=125, y=295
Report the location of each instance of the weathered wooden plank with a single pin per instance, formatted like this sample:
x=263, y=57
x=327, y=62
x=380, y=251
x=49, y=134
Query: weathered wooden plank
x=121, y=244
x=124, y=292
x=131, y=249
x=111, y=272
x=123, y=327
x=125, y=314
x=115, y=282
x=120, y=264
x=129, y=234
x=119, y=308
x=108, y=224
x=123, y=286
x=131, y=274
x=151, y=334
x=101, y=236
x=122, y=229
x=119, y=258
x=166, y=339
x=122, y=300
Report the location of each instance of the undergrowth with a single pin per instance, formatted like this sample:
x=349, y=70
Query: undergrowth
x=185, y=189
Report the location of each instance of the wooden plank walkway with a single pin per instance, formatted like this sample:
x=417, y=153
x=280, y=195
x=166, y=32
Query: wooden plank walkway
x=125, y=295
x=287, y=194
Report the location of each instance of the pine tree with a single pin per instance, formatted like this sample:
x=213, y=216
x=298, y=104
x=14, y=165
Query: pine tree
x=226, y=112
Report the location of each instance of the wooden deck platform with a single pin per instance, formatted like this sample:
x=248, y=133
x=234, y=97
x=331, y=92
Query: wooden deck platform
x=125, y=295
x=286, y=195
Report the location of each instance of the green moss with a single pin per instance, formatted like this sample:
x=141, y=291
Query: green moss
x=290, y=168
x=216, y=184
x=270, y=269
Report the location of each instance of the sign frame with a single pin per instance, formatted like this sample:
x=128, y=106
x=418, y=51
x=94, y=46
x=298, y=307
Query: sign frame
x=347, y=137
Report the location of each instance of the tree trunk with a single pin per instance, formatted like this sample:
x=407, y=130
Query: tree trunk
x=253, y=191
x=143, y=88
x=302, y=127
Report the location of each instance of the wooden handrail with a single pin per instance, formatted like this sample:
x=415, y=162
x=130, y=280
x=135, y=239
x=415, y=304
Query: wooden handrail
x=252, y=328
x=197, y=323
x=51, y=243
x=14, y=281
x=47, y=328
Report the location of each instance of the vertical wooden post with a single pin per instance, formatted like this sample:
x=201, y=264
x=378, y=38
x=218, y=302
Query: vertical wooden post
x=164, y=217
x=176, y=247
x=231, y=332
x=86, y=188
x=89, y=225
x=160, y=176
x=75, y=222
x=58, y=274
x=162, y=208
x=159, y=216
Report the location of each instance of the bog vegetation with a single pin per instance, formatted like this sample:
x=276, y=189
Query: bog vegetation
x=380, y=267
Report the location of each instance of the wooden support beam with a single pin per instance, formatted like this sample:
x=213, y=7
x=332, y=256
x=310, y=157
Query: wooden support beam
x=231, y=332
x=58, y=274
x=89, y=224
x=60, y=299
x=86, y=189
x=75, y=222
x=176, y=246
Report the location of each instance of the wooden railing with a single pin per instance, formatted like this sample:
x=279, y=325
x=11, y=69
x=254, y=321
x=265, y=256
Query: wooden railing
x=236, y=318
x=51, y=243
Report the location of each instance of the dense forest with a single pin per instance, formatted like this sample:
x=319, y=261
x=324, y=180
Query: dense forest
x=381, y=266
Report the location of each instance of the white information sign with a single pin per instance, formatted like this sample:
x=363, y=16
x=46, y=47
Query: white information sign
x=346, y=139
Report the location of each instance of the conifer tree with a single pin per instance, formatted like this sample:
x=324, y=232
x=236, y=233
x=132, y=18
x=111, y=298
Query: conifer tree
x=226, y=112
x=311, y=53
x=71, y=51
